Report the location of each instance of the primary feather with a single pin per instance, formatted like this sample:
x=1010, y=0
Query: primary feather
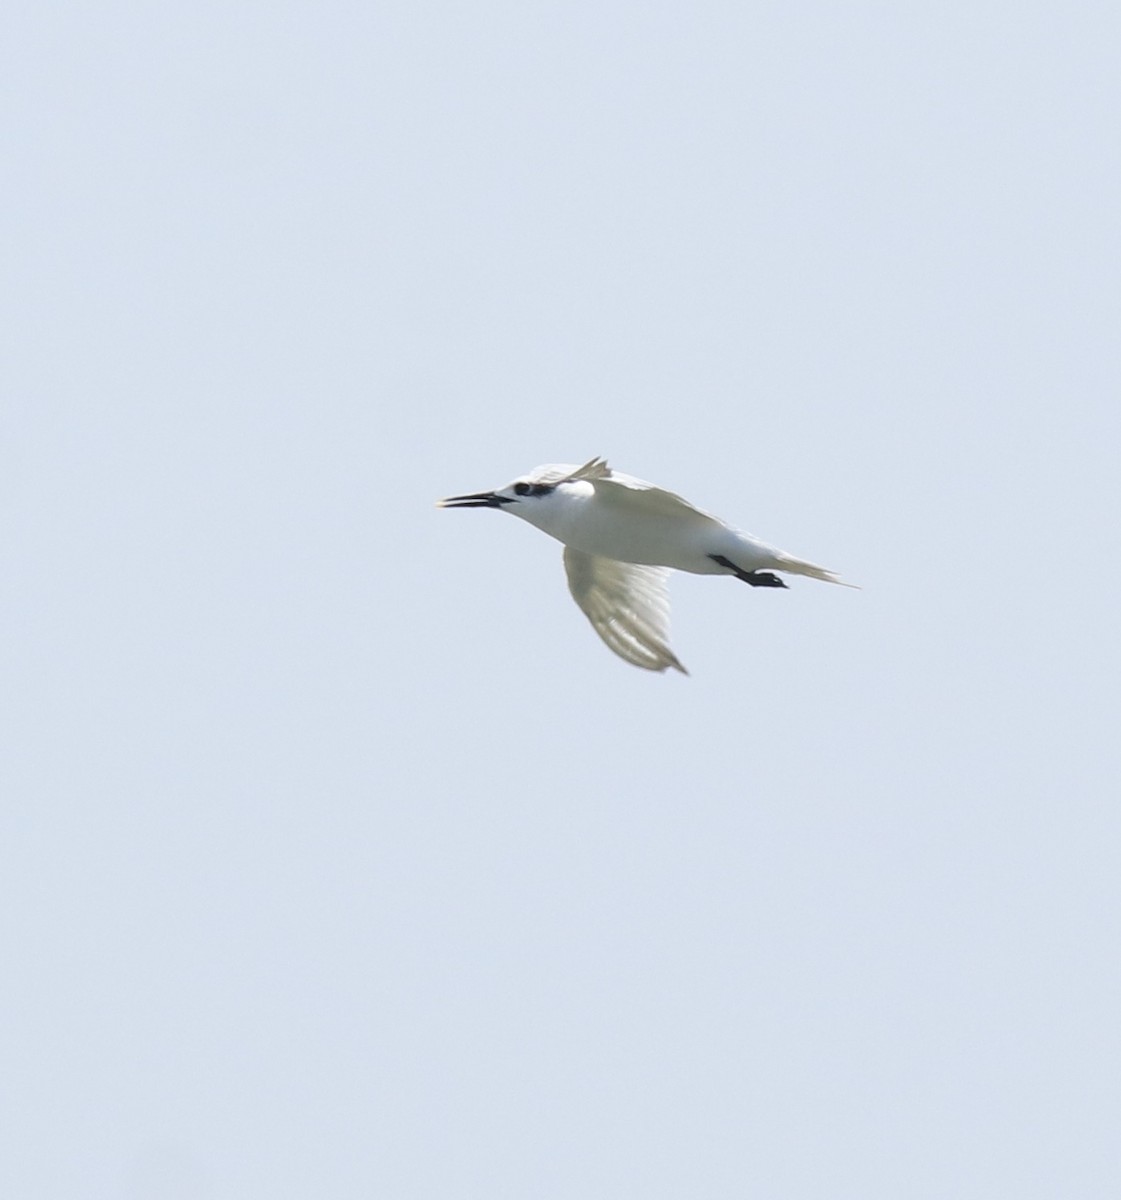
x=628, y=606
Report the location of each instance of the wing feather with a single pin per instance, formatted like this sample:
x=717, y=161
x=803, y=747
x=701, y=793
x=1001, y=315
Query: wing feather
x=628, y=606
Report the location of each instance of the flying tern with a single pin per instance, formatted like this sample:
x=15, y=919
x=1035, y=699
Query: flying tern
x=621, y=539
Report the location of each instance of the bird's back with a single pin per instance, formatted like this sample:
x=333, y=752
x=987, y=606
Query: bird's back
x=631, y=521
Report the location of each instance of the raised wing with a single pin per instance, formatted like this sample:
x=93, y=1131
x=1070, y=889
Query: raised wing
x=626, y=493
x=594, y=468
x=627, y=605
x=623, y=491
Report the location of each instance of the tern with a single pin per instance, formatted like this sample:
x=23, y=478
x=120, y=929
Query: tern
x=622, y=537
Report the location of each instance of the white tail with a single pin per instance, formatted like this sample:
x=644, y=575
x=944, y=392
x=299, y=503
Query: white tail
x=798, y=566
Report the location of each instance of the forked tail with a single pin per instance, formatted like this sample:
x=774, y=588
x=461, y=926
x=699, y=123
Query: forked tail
x=799, y=566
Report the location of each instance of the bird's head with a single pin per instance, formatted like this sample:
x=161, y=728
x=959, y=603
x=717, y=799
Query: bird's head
x=539, y=497
x=523, y=490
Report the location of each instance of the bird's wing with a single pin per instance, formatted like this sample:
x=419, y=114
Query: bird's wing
x=594, y=468
x=627, y=605
x=624, y=492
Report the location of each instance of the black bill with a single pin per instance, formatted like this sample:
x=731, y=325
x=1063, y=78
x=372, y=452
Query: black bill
x=476, y=500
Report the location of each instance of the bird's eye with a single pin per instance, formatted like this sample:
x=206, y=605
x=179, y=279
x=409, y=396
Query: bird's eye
x=522, y=489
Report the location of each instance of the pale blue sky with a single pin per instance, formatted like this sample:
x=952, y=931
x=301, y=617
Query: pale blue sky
x=339, y=858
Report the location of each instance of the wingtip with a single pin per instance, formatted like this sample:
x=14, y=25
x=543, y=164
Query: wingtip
x=594, y=468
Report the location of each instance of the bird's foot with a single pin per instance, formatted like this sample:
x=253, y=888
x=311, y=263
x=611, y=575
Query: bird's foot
x=755, y=578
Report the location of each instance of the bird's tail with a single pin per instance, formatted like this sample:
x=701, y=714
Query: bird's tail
x=799, y=566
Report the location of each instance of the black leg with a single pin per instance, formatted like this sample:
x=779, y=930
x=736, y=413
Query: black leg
x=755, y=578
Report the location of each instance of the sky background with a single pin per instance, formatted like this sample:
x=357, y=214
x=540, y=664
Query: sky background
x=338, y=857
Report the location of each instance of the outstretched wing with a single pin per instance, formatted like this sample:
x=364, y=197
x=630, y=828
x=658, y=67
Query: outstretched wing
x=627, y=605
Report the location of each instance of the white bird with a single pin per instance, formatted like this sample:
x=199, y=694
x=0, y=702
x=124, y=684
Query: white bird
x=621, y=538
